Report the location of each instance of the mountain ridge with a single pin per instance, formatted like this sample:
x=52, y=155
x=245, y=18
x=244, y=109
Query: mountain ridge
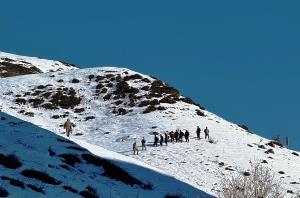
x=14, y=65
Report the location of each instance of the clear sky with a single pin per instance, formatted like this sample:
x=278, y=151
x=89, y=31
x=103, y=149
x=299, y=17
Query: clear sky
x=240, y=59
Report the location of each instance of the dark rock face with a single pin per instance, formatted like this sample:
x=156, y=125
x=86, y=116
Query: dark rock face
x=8, y=69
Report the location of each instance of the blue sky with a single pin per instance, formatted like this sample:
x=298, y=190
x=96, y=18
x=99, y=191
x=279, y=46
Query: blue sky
x=240, y=59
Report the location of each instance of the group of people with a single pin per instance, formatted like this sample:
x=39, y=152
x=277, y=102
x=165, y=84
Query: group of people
x=176, y=136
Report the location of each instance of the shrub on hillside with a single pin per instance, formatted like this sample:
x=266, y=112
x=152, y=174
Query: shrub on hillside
x=89, y=192
x=69, y=188
x=260, y=182
x=79, y=110
x=20, y=101
x=30, y=114
x=158, y=88
x=168, y=99
x=70, y=159
x=90, y=77
x=35, y=188
x=199, y=112
x=10, y=161
x=3, y=192
x=13, y=182
x=36, y=101
x=41, y=176
x=66, y=101
x=149, y=109
x=75, y=80
x=49, y=106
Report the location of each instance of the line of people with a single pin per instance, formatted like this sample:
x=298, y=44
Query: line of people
x=176, y=136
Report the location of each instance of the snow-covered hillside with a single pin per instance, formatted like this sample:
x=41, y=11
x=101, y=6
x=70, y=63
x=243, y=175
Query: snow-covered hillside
x=113, y=107
x=13, y=65
x=37, y=163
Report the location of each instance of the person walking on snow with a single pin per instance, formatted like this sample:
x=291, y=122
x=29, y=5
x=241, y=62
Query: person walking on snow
x=181, y=134
x=198, y=132
x=161, y=139
x=135, y=148
x=206, y=132
x=186, y=136
x=166, y=139
x=143, y=144
x=172, y=136
x=68, y=125
x=176, y=135
x=155, y=140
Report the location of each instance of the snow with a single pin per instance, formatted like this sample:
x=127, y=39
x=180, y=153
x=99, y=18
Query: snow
x=43, y=65
x=196, y=163
x=31, y=143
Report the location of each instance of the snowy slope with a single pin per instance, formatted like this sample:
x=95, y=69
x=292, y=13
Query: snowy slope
x=12, y=65
x=68, y=164
x=93, y=99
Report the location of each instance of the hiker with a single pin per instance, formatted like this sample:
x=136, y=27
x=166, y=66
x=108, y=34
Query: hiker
x=172, y=136
x=143, y=144
x=176, y=134
x=68, y=125
x=186, y=136
x=161, y=139
x=155, y=140
x=166, y=139
x=181, y=134
x=198, y=132
x=135, y=148
x=206, y=132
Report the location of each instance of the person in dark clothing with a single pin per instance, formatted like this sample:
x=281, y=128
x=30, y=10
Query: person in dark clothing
x=206, y=132
x=155, y=140
x=166, y=139
x=172, y=136
x=161, y=140
x=176, y=134
x=143, y=144
x=181, y=134
x=186, y=136
x=198, y=132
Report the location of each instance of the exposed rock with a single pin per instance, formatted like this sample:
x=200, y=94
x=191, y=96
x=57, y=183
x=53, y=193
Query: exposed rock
x=270, y=151
x=199, y=112
x=75, y=80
